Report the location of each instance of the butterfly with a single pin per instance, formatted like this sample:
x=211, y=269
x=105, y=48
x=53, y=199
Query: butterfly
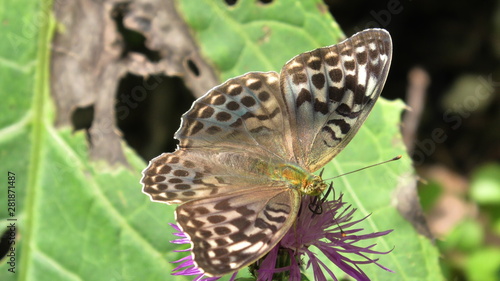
x=248, y=148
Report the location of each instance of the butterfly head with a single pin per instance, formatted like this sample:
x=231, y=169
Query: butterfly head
x=314, y=185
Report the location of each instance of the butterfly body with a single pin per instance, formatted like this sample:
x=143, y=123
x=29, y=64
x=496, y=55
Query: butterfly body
x=249, y=147
x=296, y=178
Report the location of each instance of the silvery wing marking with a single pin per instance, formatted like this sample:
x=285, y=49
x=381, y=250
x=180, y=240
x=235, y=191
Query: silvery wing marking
x=333, y=89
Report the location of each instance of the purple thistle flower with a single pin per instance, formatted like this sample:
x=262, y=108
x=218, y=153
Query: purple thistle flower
x=187, y=265
x=329, y=230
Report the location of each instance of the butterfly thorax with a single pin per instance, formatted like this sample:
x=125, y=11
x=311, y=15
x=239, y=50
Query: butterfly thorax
x=298, y=178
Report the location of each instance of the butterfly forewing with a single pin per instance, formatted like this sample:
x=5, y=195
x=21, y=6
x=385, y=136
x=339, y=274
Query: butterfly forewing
x=246, y=111
x=330, y=91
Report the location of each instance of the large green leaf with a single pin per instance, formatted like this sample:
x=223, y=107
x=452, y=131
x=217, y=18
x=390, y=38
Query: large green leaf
x=251, y=36
x=82, y=220
x=379, y=191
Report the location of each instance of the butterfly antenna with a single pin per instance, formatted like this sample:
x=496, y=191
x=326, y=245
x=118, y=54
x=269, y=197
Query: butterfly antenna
x=315, y=204
x=370, y=166
x=342, y=233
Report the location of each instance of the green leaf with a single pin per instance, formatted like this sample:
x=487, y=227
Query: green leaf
x=75, y=219
x=429, y=194
x=251, y=36
x=485, y=185
x=483, y=265
x=467, y=236
x=374, y=192
x=81, y=220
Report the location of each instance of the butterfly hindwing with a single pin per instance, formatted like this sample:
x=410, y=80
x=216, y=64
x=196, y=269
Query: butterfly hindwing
x=230, y=231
